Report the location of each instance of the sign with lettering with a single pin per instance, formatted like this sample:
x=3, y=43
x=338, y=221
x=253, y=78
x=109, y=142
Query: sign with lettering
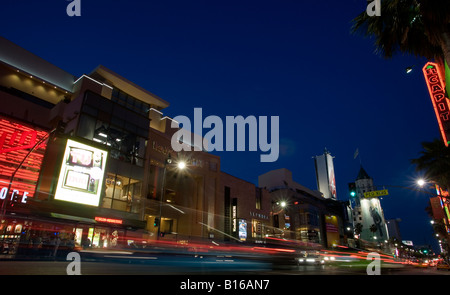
x=82, y=173
x=108, y=220
x=376, y=194
x=16, y=141
x=441, y=105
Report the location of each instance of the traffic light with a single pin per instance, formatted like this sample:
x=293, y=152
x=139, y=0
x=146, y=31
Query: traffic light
x=156, y=222
x=352, y=189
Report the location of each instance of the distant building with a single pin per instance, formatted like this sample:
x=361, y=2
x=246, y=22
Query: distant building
x=302, y=214
x=245, y=210
x=326, y=182
x=368, y=212
x=393, y=226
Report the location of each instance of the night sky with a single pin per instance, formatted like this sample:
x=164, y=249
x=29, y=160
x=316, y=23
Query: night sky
x=292, y=59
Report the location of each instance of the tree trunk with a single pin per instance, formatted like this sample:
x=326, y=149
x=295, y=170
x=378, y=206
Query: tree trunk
x=445, y=46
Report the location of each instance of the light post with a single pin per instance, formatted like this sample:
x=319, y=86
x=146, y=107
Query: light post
x=168, y=161
x=438, y=224
x=276, y=221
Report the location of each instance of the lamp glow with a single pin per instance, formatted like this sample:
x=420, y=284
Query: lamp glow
x=181, y=165
x=421, y=182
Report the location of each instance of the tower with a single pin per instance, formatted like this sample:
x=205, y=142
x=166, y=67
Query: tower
x=326, y=182
x=368, y=211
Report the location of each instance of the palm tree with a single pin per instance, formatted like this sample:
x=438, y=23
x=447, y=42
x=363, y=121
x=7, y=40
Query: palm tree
x=435, y=161
x=417, y=27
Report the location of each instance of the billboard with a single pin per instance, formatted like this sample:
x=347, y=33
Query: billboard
x=81, y=175
x=331, y=177
x=22, y=150
x=242, y=230
x=372, y=214
x=326, y=182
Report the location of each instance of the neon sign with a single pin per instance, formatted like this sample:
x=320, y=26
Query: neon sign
x=436, y=88
x=15, y=194
x=16, y=140
x=108, y=220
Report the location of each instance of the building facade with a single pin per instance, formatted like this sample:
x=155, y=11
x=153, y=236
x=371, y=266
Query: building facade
x=302, y=214
x=246, y=210
x=326, y=180
x=368, y=214
x=86, y=160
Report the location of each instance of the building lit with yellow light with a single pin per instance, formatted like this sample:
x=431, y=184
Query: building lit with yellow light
x=93, y=165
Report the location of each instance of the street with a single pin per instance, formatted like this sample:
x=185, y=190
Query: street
x=154, y=268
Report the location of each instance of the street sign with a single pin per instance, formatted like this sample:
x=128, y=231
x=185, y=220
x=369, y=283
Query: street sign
x=376, y=194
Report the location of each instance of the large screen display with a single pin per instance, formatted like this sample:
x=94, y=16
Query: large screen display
x=22, y=149
x=82, y=172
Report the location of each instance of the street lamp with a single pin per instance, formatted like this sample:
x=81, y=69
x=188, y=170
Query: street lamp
x=181, y=165
x=421, y=182
x=409, y=69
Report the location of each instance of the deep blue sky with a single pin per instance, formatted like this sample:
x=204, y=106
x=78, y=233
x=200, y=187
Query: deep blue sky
x=292, y=59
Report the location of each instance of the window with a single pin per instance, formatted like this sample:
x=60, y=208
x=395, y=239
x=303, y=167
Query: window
x=130, y=102
x=122, y=193
x=258, y=198
x=125, y=145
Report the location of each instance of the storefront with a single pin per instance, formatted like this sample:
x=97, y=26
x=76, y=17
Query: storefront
x=34, y=232
x=22, y=149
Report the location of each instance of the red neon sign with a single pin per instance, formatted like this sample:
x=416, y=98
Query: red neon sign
x=108, y=220
x=441, y=105
x=16, y=140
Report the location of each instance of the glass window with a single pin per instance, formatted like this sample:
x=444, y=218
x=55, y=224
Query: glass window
x=90, y=110
x=123, y=96
x=117, y=121
x=122, y=193
x=86, y=127
x=115, y=93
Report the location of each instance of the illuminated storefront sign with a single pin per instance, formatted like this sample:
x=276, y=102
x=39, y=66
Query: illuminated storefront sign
x=441, y=105
x=82, y=172
x=242, y=230
x=108, y=220
x=16, y=142
x=15, y=195
x=440, y=206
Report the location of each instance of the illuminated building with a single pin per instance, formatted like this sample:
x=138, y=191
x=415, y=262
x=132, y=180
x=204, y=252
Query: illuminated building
x=99, y=174
x=326, y=181
x=393, y=226
x=302, y=214
x=190, y=197
x=246, y=209
x=368, y=211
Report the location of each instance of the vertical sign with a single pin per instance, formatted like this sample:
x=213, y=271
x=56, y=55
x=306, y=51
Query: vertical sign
x=234, y=216
x=331, y=177
x=436, y=87
x=242, y=230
